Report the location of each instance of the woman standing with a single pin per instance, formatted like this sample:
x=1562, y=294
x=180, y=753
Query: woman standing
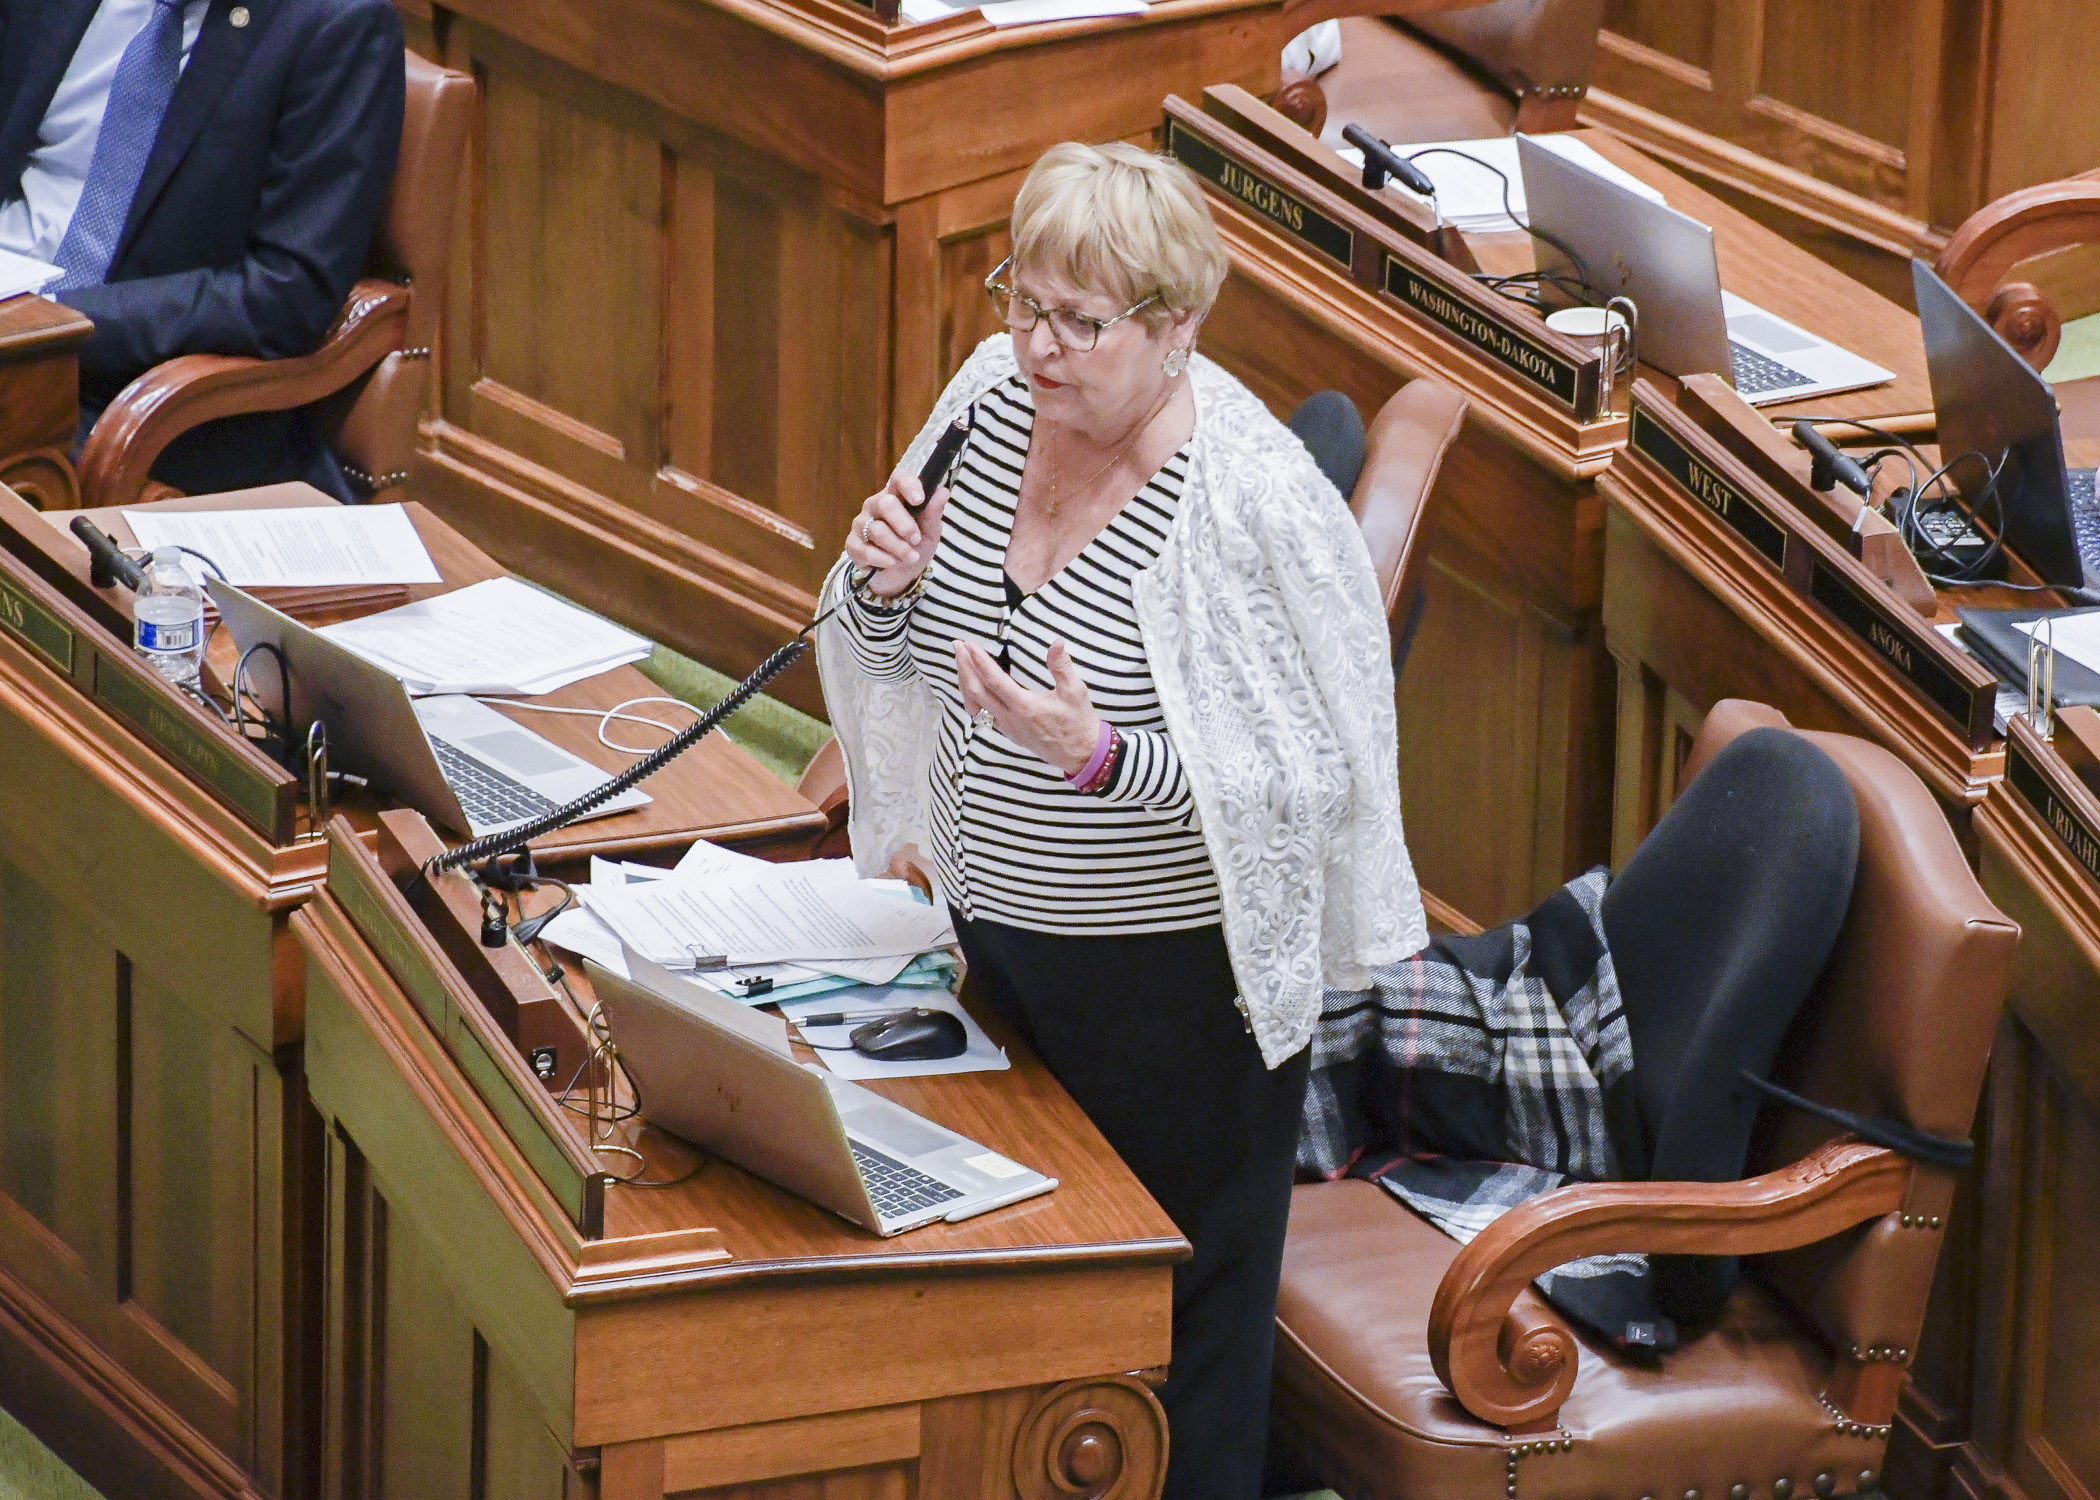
x=1127, y=680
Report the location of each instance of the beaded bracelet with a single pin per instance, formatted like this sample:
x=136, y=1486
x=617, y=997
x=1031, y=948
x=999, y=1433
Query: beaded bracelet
x=1095, y=775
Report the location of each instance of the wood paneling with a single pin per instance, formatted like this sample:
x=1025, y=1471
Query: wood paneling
x=1888, y=120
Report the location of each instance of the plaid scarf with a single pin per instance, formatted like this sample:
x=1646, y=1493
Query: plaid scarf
x=1487, y=1070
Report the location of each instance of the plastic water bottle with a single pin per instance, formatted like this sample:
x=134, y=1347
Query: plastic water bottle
x=168, y=619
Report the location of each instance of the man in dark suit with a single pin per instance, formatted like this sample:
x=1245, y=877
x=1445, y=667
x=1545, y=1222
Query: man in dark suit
x=208, y=174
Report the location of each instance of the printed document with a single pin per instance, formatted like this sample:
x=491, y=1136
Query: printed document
x=782, y=916
x=1469, y=193
x=19, y=274
x=498, y=637
x=317, y=546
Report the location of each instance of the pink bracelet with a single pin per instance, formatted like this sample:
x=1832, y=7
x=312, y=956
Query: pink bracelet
x=1083, y=778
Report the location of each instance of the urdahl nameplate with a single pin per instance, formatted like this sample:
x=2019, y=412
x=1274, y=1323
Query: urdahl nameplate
x=36, y=627
x=1723, y=499
x=1542, y=367
x=2079, y=840
x=246, y=790
x=1910, y=657
x=1280, y=208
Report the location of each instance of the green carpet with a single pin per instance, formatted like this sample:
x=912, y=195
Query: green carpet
x=30, y=1471
x=2079, y=354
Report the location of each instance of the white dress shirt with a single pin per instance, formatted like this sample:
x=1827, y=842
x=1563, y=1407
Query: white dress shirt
x=34, y=223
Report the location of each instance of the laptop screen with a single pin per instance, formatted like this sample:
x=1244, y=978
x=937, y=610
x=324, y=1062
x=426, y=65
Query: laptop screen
x=1991, y=401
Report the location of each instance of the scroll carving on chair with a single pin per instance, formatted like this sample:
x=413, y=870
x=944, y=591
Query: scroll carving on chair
x=1408, y=1365
x=370, y=378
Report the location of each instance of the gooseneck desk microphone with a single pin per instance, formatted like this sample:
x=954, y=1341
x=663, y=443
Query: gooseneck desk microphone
x=932, y=474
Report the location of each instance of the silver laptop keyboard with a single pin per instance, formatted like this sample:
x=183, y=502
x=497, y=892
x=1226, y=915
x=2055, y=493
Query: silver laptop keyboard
x=487, y=797
x=1755, y=374
x=2085, y=514
x=898, y=1191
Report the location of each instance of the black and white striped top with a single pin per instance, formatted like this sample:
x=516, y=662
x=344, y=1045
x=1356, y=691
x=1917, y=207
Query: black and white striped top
x=1012, y=841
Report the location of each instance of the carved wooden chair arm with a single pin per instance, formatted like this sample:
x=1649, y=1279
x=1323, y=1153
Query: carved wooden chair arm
x=170, y=399
x=1516, y=1370
x=1999, y=236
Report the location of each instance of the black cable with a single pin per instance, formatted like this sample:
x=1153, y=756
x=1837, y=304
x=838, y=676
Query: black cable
x=1581, y=271
x=273, y=727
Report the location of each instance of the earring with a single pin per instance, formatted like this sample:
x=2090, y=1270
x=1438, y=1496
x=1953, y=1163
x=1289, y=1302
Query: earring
x=1176, y=361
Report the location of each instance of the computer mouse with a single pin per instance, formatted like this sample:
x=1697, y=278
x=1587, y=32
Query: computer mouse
x=916, y=1035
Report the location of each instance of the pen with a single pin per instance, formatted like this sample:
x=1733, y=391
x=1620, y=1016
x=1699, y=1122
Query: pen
x=847, y=1018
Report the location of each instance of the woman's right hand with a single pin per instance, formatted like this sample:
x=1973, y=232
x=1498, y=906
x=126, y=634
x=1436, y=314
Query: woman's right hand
x=884, y=536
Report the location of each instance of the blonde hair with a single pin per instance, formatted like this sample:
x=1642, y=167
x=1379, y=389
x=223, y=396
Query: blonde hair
x=1122, y=222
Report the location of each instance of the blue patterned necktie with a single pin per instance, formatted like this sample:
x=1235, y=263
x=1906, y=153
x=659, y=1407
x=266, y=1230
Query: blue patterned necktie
x=138, y=98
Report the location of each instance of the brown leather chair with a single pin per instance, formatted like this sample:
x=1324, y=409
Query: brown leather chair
x=1403, y=451
x=1409, y=1367
x=1437, y=71
x=370, y=377
x=824, y=783
x=2000, y=262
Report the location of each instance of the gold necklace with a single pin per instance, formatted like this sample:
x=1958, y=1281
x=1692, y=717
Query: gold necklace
x=1052, y=501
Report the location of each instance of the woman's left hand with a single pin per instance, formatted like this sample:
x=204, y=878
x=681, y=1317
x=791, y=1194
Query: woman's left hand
x=1060, y=726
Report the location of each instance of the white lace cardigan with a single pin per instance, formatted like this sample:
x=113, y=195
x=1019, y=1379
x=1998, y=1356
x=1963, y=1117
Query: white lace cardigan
x=1262, y=622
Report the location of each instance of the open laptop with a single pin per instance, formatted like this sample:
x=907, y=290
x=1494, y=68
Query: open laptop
x=1632, y=246
x=449, y=758
x=722, y=1076
x=1990, y=401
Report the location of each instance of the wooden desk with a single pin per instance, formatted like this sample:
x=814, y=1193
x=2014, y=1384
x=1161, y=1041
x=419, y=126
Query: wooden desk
x=716, y=1335
x=1720, y=584
x=1507, y=702
x=719, y=258
x=159, y=1163
x=40, y=410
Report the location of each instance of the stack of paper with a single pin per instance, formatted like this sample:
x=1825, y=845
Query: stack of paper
x=803, y=929
x=1469, y=191
x=502, y=637
x=19, y=274
x=1019, y=12
x=317, y=546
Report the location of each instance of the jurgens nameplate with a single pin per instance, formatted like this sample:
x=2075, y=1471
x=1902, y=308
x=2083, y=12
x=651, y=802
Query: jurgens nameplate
x=1285, y=210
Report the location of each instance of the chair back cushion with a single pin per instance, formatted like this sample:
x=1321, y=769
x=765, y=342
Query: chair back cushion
x=374, y=423
x=1403, y=453
x=1900, y=1025
x=414, y=242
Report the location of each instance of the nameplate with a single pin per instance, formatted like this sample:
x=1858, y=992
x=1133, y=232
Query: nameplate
x=1540, y=366
x=2069, y=829
x=1715, y=494
x=247, y=791
x=1250, y=189
x=1911, y=658
x=353, y=887
x=36, y=627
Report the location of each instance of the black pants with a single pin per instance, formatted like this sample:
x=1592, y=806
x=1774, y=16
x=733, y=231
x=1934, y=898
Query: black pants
x=1143, y=1034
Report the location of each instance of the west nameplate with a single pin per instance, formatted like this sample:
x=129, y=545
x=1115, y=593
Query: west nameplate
x=247, y=791
x=1280, y=208
x=1543, y=368
x=1720, y=497
x=2070, y=830
x=1911, y=658
x=36, y=627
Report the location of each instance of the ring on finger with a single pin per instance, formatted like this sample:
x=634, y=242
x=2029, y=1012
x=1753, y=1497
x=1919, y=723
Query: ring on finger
x=982, y=718
x=865, y=522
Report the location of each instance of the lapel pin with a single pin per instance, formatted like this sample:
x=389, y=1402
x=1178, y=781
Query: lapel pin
x=238, y=16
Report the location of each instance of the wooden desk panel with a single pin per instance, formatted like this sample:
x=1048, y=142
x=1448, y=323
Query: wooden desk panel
x=159, y=1163
x=721, y=1331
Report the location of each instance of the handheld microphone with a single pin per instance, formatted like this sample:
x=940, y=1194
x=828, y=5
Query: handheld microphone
x=934, y=472
x=1828, y=466
x=107, y=564
x=1382, y=161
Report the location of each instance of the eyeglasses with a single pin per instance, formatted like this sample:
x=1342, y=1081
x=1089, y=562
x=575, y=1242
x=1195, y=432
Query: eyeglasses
x=1075, y=331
